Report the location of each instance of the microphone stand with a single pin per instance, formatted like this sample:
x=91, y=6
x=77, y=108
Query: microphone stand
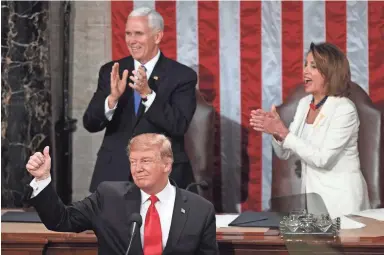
x=130, y=240
x=136, y=224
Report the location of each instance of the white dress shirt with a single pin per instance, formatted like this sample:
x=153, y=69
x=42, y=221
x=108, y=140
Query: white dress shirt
x=164, y=207
x=150, y=65
x=38, y=186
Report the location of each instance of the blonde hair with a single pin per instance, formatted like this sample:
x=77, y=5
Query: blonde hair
x=152, y=141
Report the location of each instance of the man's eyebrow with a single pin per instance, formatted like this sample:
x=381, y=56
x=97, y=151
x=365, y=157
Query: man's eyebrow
x=142, y=158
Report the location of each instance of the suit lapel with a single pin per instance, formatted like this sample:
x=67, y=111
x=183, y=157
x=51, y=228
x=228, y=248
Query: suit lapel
x=132, y=205
x=158, y=73
x=179, y=218
x=157, y=76
x=325, y=112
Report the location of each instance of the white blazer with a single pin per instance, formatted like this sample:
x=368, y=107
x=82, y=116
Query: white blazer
x=329, y=155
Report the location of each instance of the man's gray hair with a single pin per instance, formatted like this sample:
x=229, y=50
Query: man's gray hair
x=155, y=20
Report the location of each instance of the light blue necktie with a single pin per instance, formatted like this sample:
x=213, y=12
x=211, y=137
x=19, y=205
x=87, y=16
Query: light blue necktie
x=137, y=98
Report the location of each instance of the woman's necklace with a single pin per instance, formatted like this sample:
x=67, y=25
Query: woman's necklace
x=317, y=106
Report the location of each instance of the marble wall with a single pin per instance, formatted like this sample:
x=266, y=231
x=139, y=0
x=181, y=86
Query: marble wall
x=32, y=87
x=25, y=93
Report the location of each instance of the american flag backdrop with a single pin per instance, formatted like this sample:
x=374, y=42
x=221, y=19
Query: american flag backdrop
x=249, y=54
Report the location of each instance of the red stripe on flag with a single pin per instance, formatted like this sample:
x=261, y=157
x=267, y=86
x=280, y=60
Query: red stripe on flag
x=209, y=79
x=168, y=45
x=250, y=50
x=292, y=47
x=119, y=14
x=376, y=51
x=336, y=23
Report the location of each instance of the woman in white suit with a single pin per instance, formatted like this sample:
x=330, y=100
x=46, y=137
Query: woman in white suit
x=323, y=133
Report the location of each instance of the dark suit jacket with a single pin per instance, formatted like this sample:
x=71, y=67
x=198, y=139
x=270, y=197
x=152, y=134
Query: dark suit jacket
x=170, y=114
x=107, y=212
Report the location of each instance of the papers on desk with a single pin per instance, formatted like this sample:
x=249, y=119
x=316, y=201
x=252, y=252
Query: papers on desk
x=222, y=220
x=377, y=214
x=347, y=223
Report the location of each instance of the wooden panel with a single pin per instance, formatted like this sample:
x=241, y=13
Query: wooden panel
x=32, y=238
x=71, y=249
x=18, y=244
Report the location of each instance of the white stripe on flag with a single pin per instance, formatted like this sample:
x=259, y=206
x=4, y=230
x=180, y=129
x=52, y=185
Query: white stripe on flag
x=357, y=42
x=271, y=82
x=140, y=3
x=230, y=119
x=187, y=35
x=313, y=23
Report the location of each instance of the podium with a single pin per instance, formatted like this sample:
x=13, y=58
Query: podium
x=35, y=239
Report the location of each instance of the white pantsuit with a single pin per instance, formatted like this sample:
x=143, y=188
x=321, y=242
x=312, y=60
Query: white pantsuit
x=329, y=154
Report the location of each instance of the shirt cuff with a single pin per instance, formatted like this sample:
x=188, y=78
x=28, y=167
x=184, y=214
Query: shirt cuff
x=109, y=112
x=150, y=98
x=38, y=186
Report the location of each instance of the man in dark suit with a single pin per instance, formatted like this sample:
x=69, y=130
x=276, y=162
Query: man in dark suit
x=143, y=93
x=175, y=221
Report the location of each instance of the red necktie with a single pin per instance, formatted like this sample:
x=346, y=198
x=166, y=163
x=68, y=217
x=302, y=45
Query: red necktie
x=152, y=230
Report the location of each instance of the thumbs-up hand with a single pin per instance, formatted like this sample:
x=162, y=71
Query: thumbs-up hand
x=39, y=164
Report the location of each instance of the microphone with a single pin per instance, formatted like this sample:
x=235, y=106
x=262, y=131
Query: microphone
x=136, y=222
x=203, y=184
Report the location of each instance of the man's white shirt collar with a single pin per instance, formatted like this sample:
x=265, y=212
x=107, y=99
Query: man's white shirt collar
x=150, y=65
x=163, y=195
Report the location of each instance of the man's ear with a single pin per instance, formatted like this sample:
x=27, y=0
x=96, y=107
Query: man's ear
x=158, y=37
x=167, y=167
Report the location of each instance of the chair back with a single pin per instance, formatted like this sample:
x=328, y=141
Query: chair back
x=199, y=144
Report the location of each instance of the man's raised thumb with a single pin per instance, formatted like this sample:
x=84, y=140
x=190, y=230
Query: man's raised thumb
x=46, y=151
